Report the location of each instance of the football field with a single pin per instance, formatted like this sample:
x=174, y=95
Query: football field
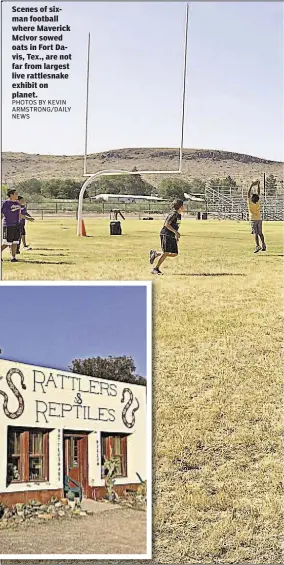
x=217, y=411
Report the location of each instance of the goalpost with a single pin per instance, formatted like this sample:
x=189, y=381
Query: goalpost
x=93, y=176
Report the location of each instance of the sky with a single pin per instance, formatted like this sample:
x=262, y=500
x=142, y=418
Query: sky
x=51, y=325
x=234, y=82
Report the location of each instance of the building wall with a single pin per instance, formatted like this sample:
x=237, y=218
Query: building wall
x=58, y=401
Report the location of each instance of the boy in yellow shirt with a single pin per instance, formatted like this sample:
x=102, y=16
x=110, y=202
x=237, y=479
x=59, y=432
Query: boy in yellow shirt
x=255, y=216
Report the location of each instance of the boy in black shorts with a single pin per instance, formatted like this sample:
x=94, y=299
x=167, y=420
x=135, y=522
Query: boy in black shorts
x=24, y=216
x=11, y=212
x=169, y=237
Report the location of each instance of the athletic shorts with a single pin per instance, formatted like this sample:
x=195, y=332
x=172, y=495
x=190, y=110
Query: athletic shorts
x=22, y=230
x=169, y=244
x=11, y=234
x=256, y=227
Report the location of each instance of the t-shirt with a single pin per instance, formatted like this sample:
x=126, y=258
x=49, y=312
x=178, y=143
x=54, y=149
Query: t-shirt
x=173, y=219
x=254, y=210
x=11, y=211
x=23, y=211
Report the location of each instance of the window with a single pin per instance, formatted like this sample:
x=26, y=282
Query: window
x=74, y=451
x=115, y=446
x=14, y=469
x=27, y=455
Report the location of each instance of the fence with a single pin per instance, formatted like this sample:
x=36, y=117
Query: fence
x=69, y=208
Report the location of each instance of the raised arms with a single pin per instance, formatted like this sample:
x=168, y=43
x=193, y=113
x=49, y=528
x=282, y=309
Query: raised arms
x=254, y=183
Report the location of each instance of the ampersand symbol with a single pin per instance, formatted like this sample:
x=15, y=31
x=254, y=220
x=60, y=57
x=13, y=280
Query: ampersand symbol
x=78, y=398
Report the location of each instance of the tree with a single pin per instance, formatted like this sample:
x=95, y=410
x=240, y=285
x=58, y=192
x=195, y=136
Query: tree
x=197, y=186
x=69, y=189
x=173, y=188
x=140, y=187
x=49, y=188
x=214, y=183
x=122, y=184
x=29, y=189
x=26, y=187
x=120, y=369
x=65, y=189
x=271, y=185
x=4, y=189
x=227, y=182
x=105, y=185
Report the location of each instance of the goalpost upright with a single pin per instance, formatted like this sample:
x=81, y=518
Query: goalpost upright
x=93, y=176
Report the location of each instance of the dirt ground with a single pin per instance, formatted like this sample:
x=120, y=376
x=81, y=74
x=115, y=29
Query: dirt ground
x=121, y=531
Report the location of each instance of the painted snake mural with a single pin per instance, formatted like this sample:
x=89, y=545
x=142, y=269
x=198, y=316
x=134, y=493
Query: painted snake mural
x=13, y=388
x=127, y=406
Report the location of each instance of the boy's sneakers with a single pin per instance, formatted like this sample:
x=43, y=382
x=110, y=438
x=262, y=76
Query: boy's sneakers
x=153, y=256
x=27, y=248
x=263, y=247
x=257, y=249
x=156, y=271
x=14, y=260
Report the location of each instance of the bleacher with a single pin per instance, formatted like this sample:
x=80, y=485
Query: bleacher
x=232, y=204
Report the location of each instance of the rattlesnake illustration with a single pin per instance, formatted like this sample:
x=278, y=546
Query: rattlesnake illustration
x=21, y=407
x=127, y=406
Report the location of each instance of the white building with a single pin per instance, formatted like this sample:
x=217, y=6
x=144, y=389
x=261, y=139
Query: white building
x=57, y=427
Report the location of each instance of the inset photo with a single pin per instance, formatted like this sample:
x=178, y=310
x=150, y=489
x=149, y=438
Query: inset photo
x=75, y=421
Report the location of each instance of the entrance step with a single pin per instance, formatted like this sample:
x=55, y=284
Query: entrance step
x=96, y=507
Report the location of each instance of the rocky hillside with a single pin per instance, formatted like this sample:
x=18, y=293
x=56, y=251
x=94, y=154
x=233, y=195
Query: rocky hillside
x=201, y=163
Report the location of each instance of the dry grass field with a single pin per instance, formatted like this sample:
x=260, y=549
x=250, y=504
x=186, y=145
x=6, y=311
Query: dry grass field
x=201, y=163
x=218, y=403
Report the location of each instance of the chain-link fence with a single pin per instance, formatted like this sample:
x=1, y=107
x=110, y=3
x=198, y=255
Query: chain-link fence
x=136, y=209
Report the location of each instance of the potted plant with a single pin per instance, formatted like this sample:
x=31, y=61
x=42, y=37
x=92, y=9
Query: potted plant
x=111, y=468
x=71, y=499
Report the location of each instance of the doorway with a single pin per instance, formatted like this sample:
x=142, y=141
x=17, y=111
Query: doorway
x=75, y=460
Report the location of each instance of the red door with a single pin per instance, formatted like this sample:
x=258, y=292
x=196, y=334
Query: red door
x=76, y=458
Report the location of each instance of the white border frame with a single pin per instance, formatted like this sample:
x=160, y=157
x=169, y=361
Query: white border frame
x=86, y=557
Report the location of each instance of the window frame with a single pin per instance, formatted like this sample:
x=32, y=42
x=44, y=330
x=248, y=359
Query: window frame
x=74, y=452
x=109, y=444
x=25, y=455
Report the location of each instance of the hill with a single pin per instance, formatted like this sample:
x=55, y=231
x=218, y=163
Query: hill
x=197, y=163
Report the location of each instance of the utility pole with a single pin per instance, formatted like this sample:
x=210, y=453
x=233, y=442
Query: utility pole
x=264, y=185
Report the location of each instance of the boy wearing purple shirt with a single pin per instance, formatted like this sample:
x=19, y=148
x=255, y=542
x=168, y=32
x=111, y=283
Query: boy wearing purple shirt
x=11, y=212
